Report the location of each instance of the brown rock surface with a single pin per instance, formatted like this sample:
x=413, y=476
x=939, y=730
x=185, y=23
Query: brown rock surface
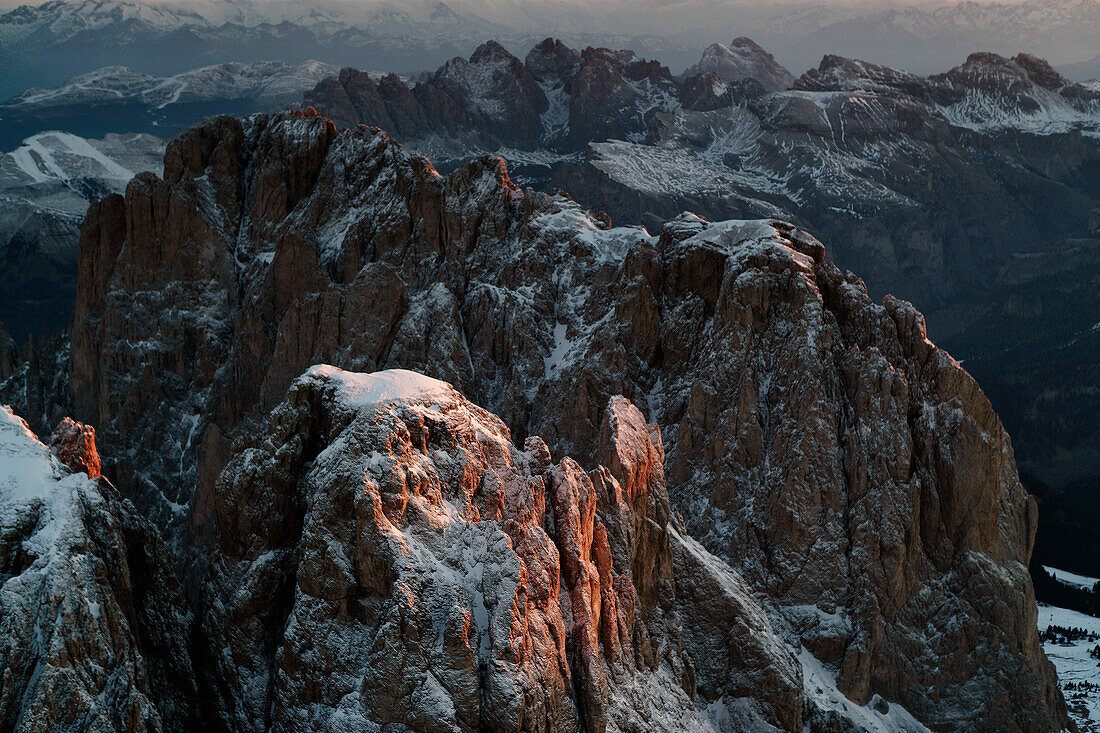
x=74, y=445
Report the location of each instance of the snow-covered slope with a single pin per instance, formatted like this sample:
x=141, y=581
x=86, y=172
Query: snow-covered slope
x=1070, y=640
x=1024, y=94
x=1072, y=579
x=63, y=158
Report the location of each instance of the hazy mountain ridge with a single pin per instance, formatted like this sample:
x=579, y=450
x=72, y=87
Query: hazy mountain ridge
x=271, y=81
x=117, y=99
x=81, y=35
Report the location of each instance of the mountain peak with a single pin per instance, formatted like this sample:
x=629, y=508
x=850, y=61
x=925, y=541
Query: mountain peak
x=742, y=59
x=441, y=12
x=490, y=51
x=446, y=276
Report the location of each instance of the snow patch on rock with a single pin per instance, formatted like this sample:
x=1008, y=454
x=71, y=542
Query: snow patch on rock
x=393, y=385
x=877, y=716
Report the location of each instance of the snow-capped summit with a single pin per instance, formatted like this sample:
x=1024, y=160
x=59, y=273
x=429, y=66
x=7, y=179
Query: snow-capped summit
x=993, y=92
x=987, y=92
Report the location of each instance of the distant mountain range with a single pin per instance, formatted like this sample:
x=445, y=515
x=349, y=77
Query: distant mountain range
x=922, y=40
x=45, y=45
x=119, y=99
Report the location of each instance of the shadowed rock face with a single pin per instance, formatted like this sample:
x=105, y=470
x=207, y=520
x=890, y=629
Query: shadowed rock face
x=556, y=98
x=817, y=442
x=8, y=354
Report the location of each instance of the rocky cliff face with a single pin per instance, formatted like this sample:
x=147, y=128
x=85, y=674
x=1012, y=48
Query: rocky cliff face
x=8, y=354
x=387, y=537
x=816, y=442
x=929, y=188
x=93, y=625
x=986, y=93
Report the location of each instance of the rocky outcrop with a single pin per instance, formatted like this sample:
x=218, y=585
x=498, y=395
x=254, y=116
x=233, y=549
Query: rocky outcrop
x=493, y=96
x=1021, y=82
x=987, y=91
x=927, y=187
x=386, y=536
x=740, y=61
x=93, y=626
x=818, y=443
x=707, y=92
x=74, y=445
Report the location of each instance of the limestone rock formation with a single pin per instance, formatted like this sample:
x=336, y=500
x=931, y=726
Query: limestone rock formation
x=816, y=442
x=387, y=557
x=556, y=99
x=93, y=626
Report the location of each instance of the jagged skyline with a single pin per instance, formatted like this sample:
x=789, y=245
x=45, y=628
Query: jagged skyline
x=923, y=36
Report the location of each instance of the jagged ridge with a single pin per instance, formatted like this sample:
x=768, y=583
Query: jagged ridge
x=819, y=443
